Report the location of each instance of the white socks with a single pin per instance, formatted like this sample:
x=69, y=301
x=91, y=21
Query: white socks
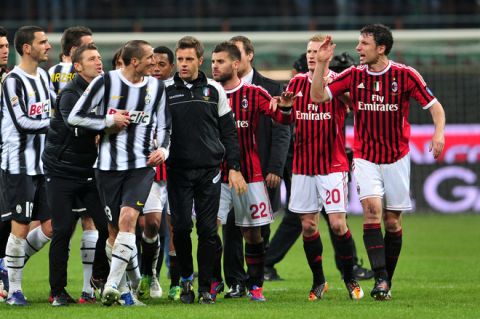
x=36, y=239
x=122, y=252
x=133, y=271
x=15, y=261
x=87, y=253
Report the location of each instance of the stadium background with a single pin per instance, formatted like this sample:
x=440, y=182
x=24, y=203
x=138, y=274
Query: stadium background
x=440, y=38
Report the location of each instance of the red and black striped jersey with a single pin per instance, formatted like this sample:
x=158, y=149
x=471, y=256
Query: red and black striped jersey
x=319, y=144
x=247, y=102
x=381, y=102
x=160, y=173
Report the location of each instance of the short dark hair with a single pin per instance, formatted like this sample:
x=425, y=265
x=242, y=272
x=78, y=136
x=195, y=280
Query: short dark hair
x=116, y=56
x=230, y=48
x=381, y=34
x=71, y=38
x=341, y=62
x=3, y=32
x=189, y=42
x=133, y=49
x=164, y=50
x=77, y=55
x=25, y=35
x=247, y=44
x=300, y=64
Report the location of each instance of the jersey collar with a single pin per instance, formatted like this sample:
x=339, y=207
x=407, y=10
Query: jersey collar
x=389, y=65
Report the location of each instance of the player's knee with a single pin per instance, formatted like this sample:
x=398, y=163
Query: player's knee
x=309, y=226
x=392, y=224
x=338, y=227
x=47, y=229
x=128, y=219
x=371, y=214
x=87, y=223
x=151, y=228
x=252, y=235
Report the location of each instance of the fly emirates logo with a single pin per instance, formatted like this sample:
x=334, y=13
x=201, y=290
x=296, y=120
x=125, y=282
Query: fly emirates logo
x=313, y=114
x=240, y=123
x=377, y=105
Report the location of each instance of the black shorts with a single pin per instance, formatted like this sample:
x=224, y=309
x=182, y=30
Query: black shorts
x=25, y=198
x=128, y=188
x=79, y=208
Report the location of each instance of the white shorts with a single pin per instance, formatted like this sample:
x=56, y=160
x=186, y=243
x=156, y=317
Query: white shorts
x=157, y=199
x=251, y=209
x=388, y=181
x=310, y=194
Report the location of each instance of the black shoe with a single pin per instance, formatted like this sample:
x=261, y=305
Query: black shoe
x=187, y=295
x=381, y=290
x=236, y=291
x=361, y=273
x=205, y=298
x=62, y=299
x=270, y=274
x=69, y=298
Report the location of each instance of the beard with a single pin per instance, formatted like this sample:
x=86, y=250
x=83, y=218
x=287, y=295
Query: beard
x=223, y=78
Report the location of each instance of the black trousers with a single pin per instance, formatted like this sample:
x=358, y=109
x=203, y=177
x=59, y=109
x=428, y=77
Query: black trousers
x=61, y=195
x=286, y=235
x=5, y=229
x=202, y=187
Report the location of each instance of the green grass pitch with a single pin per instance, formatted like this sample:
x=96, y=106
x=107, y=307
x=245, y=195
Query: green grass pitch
x=438, y=276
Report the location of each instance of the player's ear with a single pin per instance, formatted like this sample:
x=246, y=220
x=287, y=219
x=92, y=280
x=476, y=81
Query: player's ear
x=26, y=48
x=236, y=64
x=78, y=67
x=134, y=61
x=200, y=60
x=381, y=49
x=250, y=57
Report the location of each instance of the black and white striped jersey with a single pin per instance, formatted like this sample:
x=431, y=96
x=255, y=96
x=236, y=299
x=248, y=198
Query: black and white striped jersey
x=145, y=103
x=26, y=107
x=60, y=74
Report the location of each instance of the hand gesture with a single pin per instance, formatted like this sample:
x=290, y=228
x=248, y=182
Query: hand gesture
x=284, y=101
x=326, y=49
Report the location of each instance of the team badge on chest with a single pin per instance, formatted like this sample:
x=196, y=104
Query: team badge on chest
x=148, y=97
x=244, y=103
x=394, y=87
x=206, y=93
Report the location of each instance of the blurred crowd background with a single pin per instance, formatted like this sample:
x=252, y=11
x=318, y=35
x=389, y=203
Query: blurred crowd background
x=236, y=15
